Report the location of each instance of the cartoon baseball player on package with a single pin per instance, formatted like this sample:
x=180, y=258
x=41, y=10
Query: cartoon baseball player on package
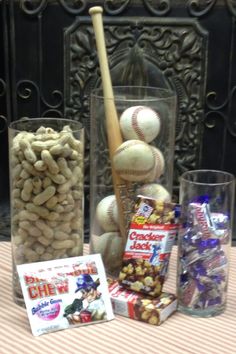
x=88, y=305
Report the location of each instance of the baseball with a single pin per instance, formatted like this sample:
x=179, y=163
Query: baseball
x=140, y=122
x=156, y=191
x=110, y=246
x=159, y=165
x=134, y=160
x=113, y=257
x=107, y=214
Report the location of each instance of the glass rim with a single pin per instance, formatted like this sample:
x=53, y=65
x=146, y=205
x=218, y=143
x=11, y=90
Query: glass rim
x=231, y=177
x=170, y=94
x=23, y=120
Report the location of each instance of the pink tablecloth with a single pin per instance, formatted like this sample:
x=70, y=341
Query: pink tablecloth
x=180, y=334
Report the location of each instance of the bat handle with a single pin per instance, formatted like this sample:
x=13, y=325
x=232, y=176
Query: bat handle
x=96, y=15
x=112, y=122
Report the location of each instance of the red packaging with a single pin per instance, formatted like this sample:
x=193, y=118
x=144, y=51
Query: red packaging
x=140, y=307
x=150, y=239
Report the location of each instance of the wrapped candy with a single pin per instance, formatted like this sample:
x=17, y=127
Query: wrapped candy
x=202, y=277
x=207, y=200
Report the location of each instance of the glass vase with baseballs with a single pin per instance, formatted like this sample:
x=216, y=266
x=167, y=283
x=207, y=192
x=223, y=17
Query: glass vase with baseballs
x=46, y=157
x=142, y=160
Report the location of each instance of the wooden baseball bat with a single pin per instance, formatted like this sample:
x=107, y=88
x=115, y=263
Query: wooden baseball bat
x=112, y=122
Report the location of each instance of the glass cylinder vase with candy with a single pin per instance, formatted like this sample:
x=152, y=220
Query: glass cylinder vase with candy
x=207, y=199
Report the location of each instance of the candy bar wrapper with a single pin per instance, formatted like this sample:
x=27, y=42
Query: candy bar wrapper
x=140, y=307
x=204, y=261
x=151, y=235
x=65, y=293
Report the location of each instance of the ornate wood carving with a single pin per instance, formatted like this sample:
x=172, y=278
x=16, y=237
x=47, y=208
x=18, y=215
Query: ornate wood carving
x=147, y=52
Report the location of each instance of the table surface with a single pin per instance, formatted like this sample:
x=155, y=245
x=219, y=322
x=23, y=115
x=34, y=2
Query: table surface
x=179, y=334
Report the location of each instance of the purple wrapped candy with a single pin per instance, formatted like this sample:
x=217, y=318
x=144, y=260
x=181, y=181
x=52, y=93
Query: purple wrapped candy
x=191, y=239
x=209, y=265
x=215, y=263
x=223, y=236
x=215, y=301
x=214, y=297
x=190, y=293
x=219, y=278
x=202, y=286
x=201, y=199
x=192, y=257
x=221, y=227
x=213, y=281
x=203, y=261
x=209, y=299
x=220, y=221
x=197, y=269
x=208, y=244
x=204, y=251
x=202, y=219
x=203, y=292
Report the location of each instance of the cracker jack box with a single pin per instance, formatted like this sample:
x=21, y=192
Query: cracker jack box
x=140, y=307
x=65, y=293
x=152, y=233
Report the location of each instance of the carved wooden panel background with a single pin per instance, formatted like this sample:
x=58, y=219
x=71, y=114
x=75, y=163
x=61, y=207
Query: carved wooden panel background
x=147, y=52
x=48, y=67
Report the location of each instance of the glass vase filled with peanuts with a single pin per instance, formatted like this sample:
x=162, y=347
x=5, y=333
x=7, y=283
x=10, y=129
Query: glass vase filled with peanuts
x=46, y=161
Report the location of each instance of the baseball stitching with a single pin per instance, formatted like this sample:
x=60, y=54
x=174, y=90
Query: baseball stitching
x=157, y=161
x=128, y=144
x=134, y=123
x=110, y=213
x=135, y=172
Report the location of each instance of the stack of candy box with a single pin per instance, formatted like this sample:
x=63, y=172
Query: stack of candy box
x=142, y=307
x=138, y=292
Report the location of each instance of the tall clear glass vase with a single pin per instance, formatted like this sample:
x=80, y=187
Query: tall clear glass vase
x=47, y=191
x=144, y=160
x=207, y=200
